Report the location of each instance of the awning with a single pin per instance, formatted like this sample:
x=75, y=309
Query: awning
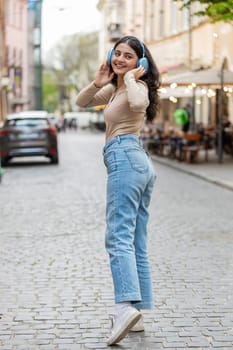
x=178, y=92
x=208, y=77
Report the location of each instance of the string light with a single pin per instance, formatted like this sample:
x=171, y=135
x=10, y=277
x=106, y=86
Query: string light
x=173, y=99
x=173, y=85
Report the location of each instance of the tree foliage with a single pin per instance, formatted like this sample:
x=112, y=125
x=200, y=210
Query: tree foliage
x=216, y=10
x=71, y=64
x=50, y=92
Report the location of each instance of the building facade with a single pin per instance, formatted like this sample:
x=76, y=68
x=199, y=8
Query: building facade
x=179, y=42
x=3, y=65
x=16, y=54
x=20, y=56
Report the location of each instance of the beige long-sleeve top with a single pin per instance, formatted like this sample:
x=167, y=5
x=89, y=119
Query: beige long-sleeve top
x=125, y=107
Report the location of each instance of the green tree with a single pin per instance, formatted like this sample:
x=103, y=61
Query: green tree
x=50, y=92
x=216, y=10
x=72, y=64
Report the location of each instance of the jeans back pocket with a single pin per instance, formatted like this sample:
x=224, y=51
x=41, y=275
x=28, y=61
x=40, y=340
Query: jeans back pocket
x=138, y=159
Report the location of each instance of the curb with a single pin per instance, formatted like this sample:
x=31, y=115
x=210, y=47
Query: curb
x=215, y=181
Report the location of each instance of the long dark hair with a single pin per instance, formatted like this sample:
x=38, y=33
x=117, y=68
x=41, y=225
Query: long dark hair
x=151, y=78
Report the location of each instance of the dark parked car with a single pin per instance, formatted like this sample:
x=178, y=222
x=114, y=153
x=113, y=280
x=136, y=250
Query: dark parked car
x=28, y=133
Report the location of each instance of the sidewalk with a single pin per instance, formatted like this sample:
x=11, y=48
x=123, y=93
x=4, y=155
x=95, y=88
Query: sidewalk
x=220, y=174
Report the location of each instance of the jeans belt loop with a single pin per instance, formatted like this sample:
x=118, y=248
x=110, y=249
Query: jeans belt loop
x=118, y=139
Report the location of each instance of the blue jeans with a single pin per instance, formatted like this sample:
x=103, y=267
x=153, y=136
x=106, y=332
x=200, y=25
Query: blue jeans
x=130, y=182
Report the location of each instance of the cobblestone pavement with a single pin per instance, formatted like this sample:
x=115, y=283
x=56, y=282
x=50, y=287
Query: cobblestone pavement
x=55, y=284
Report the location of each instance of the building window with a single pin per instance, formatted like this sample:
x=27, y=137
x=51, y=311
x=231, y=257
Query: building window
x=115, y=32
x=14, y=14
x=174, y=11
x=21, y=17
x=7, y=56
x=162, y=19
x=152, y=20
x=8, y=12
x=195, y=8
x=14, y=56
x=186, y=13
x=17, y=15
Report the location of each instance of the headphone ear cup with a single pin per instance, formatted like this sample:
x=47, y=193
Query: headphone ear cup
x=144, y=63
x=110, y=54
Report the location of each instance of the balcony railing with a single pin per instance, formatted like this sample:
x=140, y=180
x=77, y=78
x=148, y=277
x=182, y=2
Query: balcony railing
x=114, y=31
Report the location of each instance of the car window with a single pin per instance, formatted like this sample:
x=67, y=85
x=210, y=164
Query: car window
x=27, y=122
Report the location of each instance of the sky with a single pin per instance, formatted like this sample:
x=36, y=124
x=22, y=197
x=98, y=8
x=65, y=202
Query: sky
x=65, y=17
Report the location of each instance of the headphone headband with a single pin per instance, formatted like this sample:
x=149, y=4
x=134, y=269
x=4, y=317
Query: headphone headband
x=143, y=48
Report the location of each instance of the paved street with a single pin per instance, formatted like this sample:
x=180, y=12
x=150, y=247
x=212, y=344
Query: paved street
x=55, y=283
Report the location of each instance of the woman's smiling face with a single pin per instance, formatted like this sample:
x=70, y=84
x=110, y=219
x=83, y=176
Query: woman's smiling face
x=123, y=59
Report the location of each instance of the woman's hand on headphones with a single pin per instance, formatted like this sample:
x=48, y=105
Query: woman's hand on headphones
x=138, y=72
x=103, y=76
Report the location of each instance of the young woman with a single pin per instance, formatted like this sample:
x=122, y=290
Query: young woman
x=127, y=83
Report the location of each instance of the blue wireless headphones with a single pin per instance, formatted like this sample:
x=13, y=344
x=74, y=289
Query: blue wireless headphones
x=141, y=61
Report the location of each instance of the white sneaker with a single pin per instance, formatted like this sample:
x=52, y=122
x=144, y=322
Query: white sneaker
x=122, y=324
x=139, y=326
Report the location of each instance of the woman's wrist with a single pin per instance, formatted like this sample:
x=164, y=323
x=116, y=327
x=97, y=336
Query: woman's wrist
x=97, y=86
x=129, y=76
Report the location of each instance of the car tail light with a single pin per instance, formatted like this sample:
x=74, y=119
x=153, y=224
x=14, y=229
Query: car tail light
x=53, y=151
x=4, y=132
x=51, y=130
x=3, y=154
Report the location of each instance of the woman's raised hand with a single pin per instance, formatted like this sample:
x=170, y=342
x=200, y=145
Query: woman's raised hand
x=138, y=72
x=104, y=75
